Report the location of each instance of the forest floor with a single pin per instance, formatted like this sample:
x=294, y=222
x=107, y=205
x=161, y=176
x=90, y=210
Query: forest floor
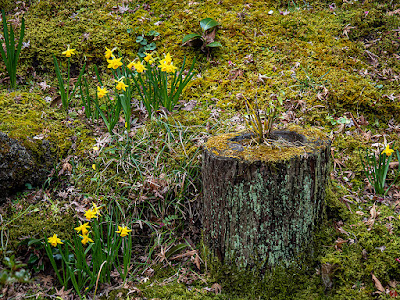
x=336, y=66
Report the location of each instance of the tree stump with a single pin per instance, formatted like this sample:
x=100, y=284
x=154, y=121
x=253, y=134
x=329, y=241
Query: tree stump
x=262, y=202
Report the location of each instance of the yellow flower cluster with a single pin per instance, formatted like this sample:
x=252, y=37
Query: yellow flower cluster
x=92, y=213
x=166, y=64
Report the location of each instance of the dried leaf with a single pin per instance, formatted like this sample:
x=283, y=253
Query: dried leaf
x=56, y=101
x=197, y=261
x=66, y=168
x=216, y=288
x=364, y=254
x=373, y=212
x=393, y=283
x=190, y=105
x=378, y=284
x=63, y=294
x=339, y=242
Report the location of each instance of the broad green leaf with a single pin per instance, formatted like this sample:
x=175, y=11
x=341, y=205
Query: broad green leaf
x=139, y=39
x=208, y=23
x=153, y=33
x=191, y=37
x=152, y=46
x=214, y=44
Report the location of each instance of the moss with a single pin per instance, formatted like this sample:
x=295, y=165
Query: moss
x=225, y=145
x=38, y=221
x=7, y=5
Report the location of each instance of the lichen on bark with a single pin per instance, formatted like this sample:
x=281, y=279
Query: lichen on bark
x=263, y=211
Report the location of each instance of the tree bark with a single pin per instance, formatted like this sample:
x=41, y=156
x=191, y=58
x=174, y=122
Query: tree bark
x=265, y=210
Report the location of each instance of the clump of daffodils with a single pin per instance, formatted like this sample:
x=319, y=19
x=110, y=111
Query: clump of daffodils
x=94, y=248
x=84, y=229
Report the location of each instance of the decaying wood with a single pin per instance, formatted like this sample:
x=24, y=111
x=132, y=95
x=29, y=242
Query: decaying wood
x=263, y=211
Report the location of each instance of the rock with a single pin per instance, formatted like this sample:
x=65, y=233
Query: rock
x=19, y=166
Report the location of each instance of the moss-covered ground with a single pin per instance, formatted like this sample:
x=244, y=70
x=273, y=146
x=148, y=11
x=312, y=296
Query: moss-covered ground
x=338, y=65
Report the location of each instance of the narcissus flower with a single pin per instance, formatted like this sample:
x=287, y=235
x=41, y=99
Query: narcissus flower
x=96, y=209
x=167, y=60
x=94, y=167
x=169, y=68
x=109, y=53
x=90, y=214
x=114, y=63
x=148, y=58
x=83, y=228
x=86, y=239
x=388, y=151
x=130, y=65
x=69, y=52
x=123, y=231
x=101, y=92
x=139, y=67
x=120, y=84
x=54, y=240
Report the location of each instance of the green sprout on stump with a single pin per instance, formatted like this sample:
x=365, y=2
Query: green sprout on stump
x=260, y=120
x=205, y=40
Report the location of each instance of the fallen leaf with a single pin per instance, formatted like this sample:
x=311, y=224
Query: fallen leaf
x=216, y=288
x=393, y=283
x=364, y=254
x=393, y=294
x=56, y=101
x=339, y=242
x=190, y=105
x=63, y=294
x=378, y=284
x=373, y=212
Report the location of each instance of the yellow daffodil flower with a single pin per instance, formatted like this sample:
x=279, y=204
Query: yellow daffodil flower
x=90, y=214
x=83, y=228
x=96, y=209
x=69, y=52
x=94, y=167
x=388, y=151
x=109, y=53
x=123, y=231
x=54, y=240
x=169, y=68
x=130, y=65
x=139, y=67
x=148, y=58
x=95, y=148
x=167, y=59
x=101, y=92
x=120, y=85
x=86, y=239
x=114, y=63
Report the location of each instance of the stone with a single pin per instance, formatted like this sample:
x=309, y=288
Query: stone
x=20, y=165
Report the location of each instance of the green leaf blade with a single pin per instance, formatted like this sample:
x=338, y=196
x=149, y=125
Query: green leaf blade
x=208, y=23
x=214, y=45
x=191, y=36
